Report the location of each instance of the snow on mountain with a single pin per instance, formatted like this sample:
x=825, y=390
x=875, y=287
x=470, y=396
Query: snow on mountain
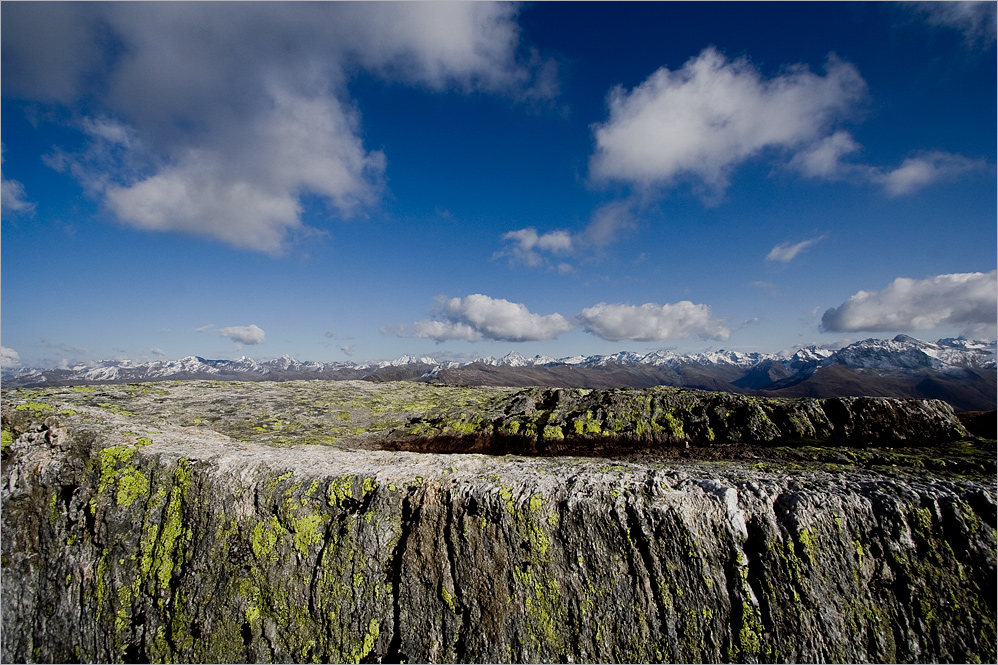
x=723, y=357
x=904, y=353
x=514, y=359
x=900, y=354
x=408, y=360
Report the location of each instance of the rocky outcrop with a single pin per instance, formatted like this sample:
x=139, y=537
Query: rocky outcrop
x=182, y=522
x=574, y=421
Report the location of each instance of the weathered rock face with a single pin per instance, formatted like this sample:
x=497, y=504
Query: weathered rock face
x=178, y=523
x=576, y=421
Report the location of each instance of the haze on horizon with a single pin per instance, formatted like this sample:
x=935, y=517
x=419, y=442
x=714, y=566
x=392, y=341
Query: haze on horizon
x=360, y=181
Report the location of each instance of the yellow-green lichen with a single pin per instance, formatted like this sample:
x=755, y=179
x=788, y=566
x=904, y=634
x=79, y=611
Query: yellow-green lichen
x=36, y=408
x=263, y=538
x=132, y=484
x=307, y=530
x=674, y=424
x=172, y=534
x=448, y=599
x=370, y=638
x=340, y=490
x=553, y=432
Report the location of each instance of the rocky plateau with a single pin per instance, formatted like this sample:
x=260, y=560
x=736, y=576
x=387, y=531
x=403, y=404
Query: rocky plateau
x=358, y=521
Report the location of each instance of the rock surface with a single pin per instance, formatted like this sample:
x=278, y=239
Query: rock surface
x=213, y=522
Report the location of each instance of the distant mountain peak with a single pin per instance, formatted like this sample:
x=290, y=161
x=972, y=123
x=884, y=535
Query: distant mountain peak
x=908, y=360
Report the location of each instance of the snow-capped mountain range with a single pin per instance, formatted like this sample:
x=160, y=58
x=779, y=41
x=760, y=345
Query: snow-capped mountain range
x=957, y=369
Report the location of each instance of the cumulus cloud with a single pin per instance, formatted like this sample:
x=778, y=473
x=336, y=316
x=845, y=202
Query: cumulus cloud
x=524, y=246
x=786, y=251
x=251, y=334
x=607, y=223
x=960, y=299
x=478, y=317
x=702, y=120
x=215, y=119
x=652, y=322
x=9, y=358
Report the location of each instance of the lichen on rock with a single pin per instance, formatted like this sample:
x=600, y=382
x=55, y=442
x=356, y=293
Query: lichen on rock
x=133, y=534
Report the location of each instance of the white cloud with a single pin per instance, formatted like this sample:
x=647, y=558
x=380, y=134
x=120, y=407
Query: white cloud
x=652, y=322
x=478, y=317
x=524, y=246
x=607, y=223
x=159, y=353
x=712, y=114
x=251, y=334
x=12, y=196
x=962, y=299
x=9, y=358
x=823, y=159
x=215, y=120
x=917, y=172
x=786, y=252
x=976, y=20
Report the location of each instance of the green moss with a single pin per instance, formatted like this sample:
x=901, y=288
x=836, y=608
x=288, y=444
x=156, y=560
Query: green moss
x=6, y=438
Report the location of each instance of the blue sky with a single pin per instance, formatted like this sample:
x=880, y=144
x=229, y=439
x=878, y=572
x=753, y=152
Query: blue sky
x=360, y=181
